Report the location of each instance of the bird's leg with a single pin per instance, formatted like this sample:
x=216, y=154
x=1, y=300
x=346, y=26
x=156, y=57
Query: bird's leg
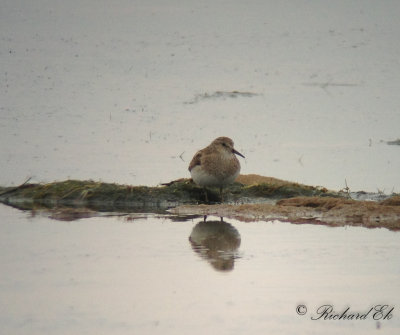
x=221, y=195
x=205, y=195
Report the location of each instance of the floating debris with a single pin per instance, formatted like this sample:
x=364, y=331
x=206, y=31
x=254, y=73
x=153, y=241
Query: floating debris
x=221, y=95
x=395, y=142
x=324, y=85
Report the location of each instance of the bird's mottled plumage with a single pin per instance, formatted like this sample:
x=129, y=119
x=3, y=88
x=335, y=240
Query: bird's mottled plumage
x=216, y=165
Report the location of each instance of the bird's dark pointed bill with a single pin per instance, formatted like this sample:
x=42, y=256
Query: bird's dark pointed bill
x=237, y=153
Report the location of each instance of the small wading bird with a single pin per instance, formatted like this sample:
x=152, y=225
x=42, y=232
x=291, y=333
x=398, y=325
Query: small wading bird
x=215, y=165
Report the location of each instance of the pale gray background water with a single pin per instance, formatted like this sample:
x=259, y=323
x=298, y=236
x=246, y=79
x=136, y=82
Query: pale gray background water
x=107, y=90
x=141, y=276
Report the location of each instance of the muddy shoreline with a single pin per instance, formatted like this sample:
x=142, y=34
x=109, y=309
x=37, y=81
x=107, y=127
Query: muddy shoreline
x=328, y=211
x=250, y=198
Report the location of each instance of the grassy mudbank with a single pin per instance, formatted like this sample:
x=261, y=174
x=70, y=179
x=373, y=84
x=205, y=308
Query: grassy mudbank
x=251, y=198
x=99, y=195
x=107, y=196
x=256, y=186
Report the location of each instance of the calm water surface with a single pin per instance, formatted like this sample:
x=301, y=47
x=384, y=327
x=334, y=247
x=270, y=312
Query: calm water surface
x=128, y=93
x=147, y=274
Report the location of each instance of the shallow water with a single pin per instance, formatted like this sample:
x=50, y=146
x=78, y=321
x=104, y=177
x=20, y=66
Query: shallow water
x=128, y=93
x=148, y=274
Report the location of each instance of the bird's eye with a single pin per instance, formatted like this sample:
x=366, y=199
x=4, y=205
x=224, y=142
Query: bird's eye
x=224, y=144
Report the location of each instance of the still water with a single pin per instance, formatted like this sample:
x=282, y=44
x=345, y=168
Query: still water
x=127, y=93
x=160, y=274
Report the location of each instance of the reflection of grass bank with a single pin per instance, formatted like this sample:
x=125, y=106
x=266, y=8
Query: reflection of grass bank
x=254, y=195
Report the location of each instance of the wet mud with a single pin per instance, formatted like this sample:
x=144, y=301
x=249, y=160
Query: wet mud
x=312, y=210
x=250, y=198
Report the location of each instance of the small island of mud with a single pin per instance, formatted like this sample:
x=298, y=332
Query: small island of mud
x=250, y=198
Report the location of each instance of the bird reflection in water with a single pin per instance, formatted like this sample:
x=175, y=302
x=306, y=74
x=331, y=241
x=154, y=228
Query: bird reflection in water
x=217, y=242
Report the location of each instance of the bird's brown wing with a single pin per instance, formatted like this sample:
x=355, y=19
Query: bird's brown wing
x=196, y=160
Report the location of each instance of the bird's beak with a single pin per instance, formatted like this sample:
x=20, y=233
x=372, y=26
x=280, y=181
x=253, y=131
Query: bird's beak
x=237, y=153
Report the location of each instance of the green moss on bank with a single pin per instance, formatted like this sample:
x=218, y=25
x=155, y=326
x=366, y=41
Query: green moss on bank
x=284, y=191
x=78, y=193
